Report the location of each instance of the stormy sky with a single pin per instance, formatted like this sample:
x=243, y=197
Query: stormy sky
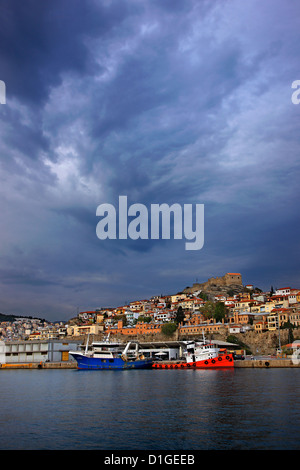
x=164, y=101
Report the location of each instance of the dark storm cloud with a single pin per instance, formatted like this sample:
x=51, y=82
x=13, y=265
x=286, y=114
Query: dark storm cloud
x=162, y=101
x=42, y=40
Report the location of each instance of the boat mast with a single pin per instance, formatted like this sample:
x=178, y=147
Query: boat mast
x=87, y=344
x=124, y=354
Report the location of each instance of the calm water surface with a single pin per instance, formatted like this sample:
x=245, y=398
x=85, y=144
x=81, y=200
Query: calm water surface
x=150, y=409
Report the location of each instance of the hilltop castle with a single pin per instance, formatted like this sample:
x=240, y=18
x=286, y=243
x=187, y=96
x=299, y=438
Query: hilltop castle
x=230, y=281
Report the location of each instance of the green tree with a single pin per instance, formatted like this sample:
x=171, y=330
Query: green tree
x=208, y=309
x=220, y=311
x=121, y=317
x=168, y=329
x=288, y=325
x=144, y=319
x=235, y=340
x=203, y=296
x=179, y=315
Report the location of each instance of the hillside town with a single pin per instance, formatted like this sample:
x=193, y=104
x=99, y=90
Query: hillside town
x=221, y=303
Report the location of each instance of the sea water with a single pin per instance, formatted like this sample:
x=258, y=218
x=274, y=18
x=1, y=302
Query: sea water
x=150, y=409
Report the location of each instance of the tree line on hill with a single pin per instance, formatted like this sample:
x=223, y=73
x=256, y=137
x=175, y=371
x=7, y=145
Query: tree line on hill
x=12, y=318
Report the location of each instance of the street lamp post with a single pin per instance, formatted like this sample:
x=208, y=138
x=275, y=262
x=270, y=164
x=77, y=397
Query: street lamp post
x=279, y=342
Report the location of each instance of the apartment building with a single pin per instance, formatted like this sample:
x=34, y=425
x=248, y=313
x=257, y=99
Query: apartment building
x=94, y=329
x=277, y=318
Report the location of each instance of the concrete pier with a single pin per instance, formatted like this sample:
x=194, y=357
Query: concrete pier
x=265, y=363
x=37, y=365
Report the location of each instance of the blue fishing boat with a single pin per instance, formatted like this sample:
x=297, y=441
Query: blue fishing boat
x=108, y=355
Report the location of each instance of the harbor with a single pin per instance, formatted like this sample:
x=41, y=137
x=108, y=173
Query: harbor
x=119, y=355
x=260, y=363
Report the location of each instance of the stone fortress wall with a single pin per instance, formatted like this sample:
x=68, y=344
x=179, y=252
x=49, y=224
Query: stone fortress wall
x=224, y=283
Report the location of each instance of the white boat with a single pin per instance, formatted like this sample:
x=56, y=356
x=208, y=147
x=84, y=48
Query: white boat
x=200, y=352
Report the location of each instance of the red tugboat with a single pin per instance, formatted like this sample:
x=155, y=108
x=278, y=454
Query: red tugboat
x=200, y=355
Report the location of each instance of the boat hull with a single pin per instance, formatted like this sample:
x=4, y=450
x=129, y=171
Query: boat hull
x=94, y=363
x=221, y=361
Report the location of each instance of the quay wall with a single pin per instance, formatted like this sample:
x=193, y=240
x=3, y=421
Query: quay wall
x=37, y=365
x=265, y=363
x=247, y=363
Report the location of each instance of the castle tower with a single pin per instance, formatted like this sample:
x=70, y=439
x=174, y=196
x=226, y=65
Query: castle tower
x=233, y=278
